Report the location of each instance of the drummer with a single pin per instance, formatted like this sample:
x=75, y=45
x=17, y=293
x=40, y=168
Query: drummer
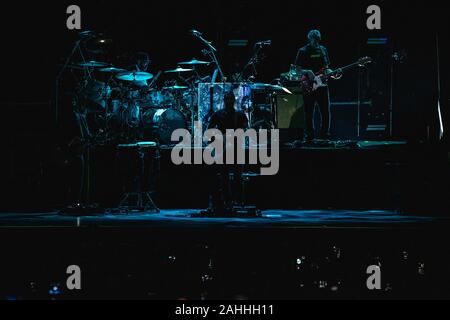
x=142, y=62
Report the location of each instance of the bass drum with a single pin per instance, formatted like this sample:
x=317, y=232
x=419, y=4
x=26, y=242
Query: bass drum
x=163, y=122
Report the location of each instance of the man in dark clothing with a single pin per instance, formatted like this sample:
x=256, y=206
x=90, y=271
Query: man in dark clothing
x=227, y=186
x=229, y=117
x=142, y=63
x=311, y=59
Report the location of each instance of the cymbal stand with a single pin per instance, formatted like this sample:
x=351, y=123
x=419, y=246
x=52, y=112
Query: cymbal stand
x=83, y=206
x=76, y=47
x=192, y=82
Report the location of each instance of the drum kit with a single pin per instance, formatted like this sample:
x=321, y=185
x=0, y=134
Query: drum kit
x=132, y=107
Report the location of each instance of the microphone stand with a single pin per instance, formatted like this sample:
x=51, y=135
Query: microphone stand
x=253, y=61
x=211, y=53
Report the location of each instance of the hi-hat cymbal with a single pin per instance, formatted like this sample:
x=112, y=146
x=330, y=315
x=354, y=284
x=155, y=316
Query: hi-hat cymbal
x=92, y=64
x=112, y=70
x=194, y=62
x=179, y=69
x=134, y=76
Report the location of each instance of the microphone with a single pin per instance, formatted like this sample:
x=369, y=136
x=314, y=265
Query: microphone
x=199, y=35
x=264, y=43
x=195, y=33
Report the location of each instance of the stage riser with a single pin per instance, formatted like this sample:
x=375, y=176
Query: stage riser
x=389, y=178
x=359, y=179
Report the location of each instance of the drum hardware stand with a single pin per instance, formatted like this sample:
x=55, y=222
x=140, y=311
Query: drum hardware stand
x=193, y=111
x=84, y=207
x=143, y=201
x=107, y=101
x=76, y=47
x=191, y=82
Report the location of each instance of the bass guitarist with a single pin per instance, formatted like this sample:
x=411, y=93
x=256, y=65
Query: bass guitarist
x=311, y=59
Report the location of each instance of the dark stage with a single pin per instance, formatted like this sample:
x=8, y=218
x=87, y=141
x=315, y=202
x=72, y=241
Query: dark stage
x=121, y=178
x=285, y=254
x=182, y=218
x=361, y=175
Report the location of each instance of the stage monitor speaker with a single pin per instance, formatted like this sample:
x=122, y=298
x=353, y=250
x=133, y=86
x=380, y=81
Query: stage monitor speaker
x=290, y=110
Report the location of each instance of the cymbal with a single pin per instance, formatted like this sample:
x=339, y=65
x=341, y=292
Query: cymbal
x=179, y=69
x=134, y=76
x=145, y=144
x=194, y=62
x=176, y=88
x=269, y=87
x=92, y=64
x=112, y=70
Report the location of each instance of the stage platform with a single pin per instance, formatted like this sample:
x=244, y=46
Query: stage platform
x=182, y=218
x=361, y=175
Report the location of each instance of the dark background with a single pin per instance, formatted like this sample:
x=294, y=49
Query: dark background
x=35, y=41
x=35, y=36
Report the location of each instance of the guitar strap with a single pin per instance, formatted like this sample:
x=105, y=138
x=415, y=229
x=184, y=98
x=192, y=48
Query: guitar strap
x=325, y=56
